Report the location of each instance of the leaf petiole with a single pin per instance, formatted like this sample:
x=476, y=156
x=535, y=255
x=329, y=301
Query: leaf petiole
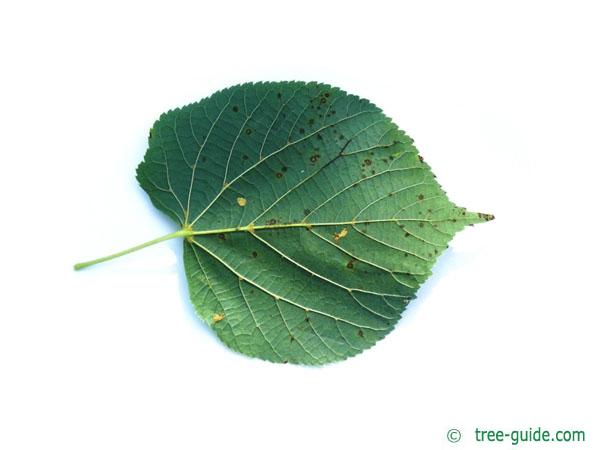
x=176, y=234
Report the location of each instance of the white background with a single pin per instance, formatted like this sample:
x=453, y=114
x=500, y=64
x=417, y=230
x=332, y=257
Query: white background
x=503, y=101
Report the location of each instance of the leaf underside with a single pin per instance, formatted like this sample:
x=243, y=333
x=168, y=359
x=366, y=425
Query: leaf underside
x=316, y=218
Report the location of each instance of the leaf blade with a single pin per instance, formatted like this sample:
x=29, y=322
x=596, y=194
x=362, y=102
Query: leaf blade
x=314, y=218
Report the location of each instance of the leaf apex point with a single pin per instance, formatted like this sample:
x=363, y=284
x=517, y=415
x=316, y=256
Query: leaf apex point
x=486, y=217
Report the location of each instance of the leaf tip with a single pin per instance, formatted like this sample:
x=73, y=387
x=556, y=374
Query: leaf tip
x=486, y=217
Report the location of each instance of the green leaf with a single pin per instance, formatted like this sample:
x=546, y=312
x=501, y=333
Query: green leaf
x=309, y=219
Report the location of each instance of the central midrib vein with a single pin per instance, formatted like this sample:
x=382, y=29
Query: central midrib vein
x=252, y=228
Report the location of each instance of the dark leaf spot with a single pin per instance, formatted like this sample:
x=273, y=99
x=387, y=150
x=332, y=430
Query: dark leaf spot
x=235, y=109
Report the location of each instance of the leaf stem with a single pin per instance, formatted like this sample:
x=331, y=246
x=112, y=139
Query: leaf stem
x=181, y=233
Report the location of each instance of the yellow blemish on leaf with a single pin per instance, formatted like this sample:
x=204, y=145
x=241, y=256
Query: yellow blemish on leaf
x=217, y=317
x=341, y=234
x=241, y=201
x=250, y=228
